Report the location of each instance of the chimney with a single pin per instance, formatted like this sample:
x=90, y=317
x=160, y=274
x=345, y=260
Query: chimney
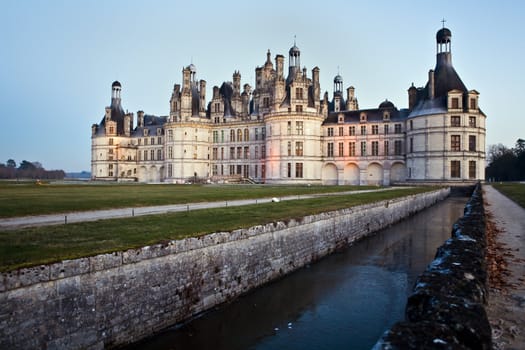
x=431, y=86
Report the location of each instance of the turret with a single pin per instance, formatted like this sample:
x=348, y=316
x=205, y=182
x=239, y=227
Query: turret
x=140, y=119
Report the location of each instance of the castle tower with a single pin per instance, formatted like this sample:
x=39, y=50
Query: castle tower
x=294, y=62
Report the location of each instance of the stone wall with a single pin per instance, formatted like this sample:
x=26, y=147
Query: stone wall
x=446, y=309
x=114, y=299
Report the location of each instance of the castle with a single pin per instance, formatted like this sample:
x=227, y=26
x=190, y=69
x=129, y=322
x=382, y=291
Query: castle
x=283, y=131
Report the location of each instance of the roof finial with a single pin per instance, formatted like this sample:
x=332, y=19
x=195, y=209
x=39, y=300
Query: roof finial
x=294, y=37
x=443, y=21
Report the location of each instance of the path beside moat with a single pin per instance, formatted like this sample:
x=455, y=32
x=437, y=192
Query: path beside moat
x=93, y=215
x=506, y=236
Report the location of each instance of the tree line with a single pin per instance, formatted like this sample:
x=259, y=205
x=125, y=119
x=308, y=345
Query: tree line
x=506, y=164
x=28, y=170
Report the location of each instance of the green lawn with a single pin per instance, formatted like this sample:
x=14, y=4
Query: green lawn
x=28, y=198
x=513, y=190
x=40, y=245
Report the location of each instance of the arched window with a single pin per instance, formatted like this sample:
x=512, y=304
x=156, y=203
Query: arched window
x=239, y=135
x=246, y=135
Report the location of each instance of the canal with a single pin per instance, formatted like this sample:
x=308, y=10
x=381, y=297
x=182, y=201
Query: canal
x=344, y=301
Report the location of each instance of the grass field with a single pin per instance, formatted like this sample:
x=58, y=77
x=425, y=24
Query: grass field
x=27, y=198
x=40, y=245
x=513, y=190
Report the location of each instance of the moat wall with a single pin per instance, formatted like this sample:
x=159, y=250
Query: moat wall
x=114, y=299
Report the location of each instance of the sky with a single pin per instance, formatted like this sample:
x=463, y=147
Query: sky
x=59, y=58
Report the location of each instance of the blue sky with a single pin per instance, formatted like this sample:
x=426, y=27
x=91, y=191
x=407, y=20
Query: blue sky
x=59, y=58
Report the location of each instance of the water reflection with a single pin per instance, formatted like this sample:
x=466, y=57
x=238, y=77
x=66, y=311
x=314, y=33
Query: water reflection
x=344, y=301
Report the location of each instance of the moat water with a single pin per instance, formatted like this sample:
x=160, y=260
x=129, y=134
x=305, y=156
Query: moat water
x=345, y=301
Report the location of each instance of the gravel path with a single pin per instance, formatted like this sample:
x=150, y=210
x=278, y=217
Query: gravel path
x=506, y=309
x=72, y=217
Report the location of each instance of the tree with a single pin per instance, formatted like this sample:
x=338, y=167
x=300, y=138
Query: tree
x=11, y=163
x=506, y=164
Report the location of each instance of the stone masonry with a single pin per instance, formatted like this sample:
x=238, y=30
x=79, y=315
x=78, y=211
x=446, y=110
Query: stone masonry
x=114, y=299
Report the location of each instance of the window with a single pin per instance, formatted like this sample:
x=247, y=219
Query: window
x=385, y=129
x=256, y=134
x=152, y=154
x=222, y=153
x=232, y=135
x=455, y=168
x=375, y=129
x=111, y=141
x=239, y=135
x=454, y=103
x=472, y=122
x=351, y=130
x=299, y=170
x=363, y=130
x=232, y=169
x=145, y=132
x=299, y=128
x=170, y=170
x=222, y=135
x=340, y=149
x=215, y=136
x=289, y=148
x=263, y=151
x=351, y=149
x=397, y=128
x=299, y=93
x=455, y=143
x=472, y=103
x=375, y=148
x=170, y=152
x=330, y=131
x=340, y=131
x=398, y=147
x=110, y=166
x=246, y=135
x=139, y=141
x=170, y=135
x=472, y=143
x=214, y=153
x=256, y=152
x=263, y=133
x=411, y=125
x=246, y=152
x=330, y=149
x=111, y=130
x=239, y=152
x=217, y=107
x=363, y=148
x=266, y=102
x=385, y=148
x=152, y=141
x=298, y=108
x=289, y=128
x=472, y=169
x=232, y=152
x=159, y=140
x=455, y=120
x=289, y=169
x=159, y=154
x=145, y=154
x=214, y=169
x=145, y=141
x=411, y=144
x=299, y=149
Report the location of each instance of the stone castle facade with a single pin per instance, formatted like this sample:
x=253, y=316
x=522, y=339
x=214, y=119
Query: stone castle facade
x=284, y=131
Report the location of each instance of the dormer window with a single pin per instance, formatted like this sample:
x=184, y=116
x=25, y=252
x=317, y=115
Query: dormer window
x=159, y=131
x=386, y=116
x=363, y=118
x=341, y=118
x=145, y=132
x=473, y=103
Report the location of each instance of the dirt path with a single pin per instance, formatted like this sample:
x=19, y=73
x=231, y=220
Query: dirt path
x=506, y=262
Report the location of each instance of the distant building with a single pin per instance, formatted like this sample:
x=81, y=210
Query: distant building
x=284, y=132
